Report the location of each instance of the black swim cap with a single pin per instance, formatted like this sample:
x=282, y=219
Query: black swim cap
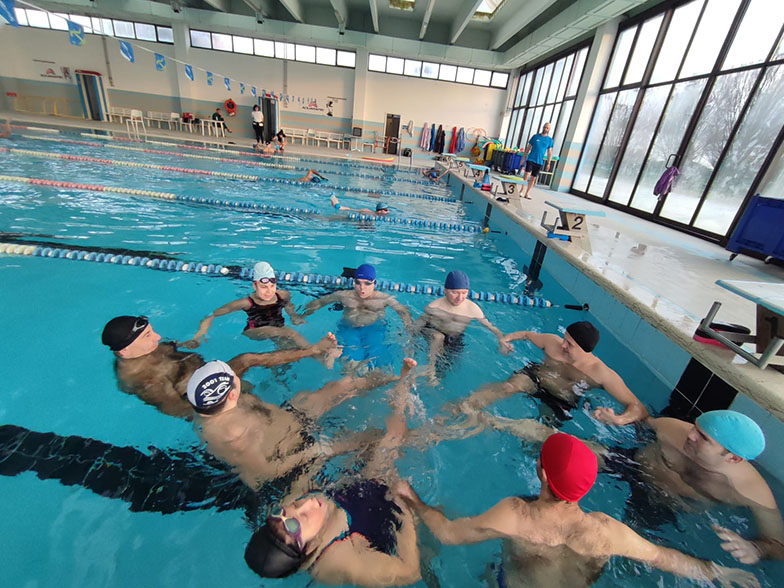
x=121, y=331
x=584, y=334
x=269, y=556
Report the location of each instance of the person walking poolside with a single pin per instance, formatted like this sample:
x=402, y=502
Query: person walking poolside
x=257, y=119
x=539, y=145
x=548, y=541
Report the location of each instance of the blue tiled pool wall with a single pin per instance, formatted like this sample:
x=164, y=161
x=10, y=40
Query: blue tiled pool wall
x=665, y=358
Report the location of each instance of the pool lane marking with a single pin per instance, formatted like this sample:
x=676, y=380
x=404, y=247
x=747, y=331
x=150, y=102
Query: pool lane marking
x=46, y=154
x=211, y=158
x=245, y=206
x=247, y=273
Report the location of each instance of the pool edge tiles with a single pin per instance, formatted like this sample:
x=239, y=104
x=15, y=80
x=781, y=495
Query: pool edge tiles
x=656, y=329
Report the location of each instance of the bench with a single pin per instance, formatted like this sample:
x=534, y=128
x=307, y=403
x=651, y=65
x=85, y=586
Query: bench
x=769, y=298
x=573, y=226
x=119, y=112
x=293, y=133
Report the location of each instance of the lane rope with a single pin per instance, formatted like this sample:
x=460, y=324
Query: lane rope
x=246, y=273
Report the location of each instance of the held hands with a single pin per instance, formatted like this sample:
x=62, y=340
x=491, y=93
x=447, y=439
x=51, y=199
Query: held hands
x=297, y=319
x=743, y=550
x=504, y=346
x=406, y=493
x=729, y=577
x=191, y=343
x=606, y=415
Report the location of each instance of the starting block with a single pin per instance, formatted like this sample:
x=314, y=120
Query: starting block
x=461, y=161
x=573, y=225
x=449, y=159
x=478, y=170
x=509, y=184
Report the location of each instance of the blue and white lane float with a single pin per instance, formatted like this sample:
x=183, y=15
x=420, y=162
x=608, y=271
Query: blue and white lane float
x=241, y=205
x=209, y=269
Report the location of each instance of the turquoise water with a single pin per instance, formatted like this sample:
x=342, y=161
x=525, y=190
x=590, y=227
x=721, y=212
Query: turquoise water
x=60, y=377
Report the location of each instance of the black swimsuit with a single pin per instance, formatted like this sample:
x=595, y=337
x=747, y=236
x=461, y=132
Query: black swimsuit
x=266, y=315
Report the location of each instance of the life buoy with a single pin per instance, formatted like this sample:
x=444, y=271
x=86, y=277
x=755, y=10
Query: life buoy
x=231, y=107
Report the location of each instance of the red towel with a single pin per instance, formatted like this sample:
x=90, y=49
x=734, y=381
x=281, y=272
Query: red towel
x=454, y=140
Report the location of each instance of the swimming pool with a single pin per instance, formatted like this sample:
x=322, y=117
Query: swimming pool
x=60, y=378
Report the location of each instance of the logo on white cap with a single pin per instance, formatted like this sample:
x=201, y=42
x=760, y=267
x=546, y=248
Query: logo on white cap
x=210, y=384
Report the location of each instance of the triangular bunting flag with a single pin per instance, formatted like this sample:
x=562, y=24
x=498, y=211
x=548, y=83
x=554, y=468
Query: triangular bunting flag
x=209, y=78
x=189, y=72
x=7, y=12
x=75, y=34
x=127, y=51
x=242, y=88
x=253, y=91
x=227, y=83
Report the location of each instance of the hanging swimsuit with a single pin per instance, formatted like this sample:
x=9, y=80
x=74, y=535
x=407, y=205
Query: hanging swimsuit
x=266, y=315
x=369, y=513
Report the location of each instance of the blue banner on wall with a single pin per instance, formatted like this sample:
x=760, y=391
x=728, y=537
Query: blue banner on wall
x=75, y=34
x=7, y=12
x=189, y=72
x=227, y=83
x=160, y=62
x=209, y=78
x=253, y=91
x=127, y=51
x=242, y=88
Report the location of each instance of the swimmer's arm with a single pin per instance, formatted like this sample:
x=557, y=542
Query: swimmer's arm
x=541, y=340
x=318, y=303
x=289, y=307
x=505, y=345
x=627, y=543
x=634, y=410
x=498, y=522
x=206, y=322
x=770, y=543
x=402, y=311
x=442, y=174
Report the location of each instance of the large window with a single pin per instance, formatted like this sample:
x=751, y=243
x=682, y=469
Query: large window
x=545, y=94
x=437, y=71
x=698, y=86
x=278, y=49
x=123, y=29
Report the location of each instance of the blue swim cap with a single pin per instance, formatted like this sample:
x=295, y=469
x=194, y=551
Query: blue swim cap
x=433, y=173
x=457, y=280
x=315, y=180
x=381, y=206
x=365, y=272
x=734, y=431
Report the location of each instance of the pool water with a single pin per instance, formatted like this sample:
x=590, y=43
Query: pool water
x=59, y=378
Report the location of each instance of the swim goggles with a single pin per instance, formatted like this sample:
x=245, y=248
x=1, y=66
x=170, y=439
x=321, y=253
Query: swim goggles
x=291, y=525
x=140, y=324
x=267, y=280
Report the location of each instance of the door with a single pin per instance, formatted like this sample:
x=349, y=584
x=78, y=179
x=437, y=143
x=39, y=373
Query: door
x=392, y=131
x=269, y=108
x=91, y=93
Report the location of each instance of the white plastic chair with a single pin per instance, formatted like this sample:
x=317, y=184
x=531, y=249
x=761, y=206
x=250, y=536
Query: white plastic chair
x=372, y=143
x=311, y=137
x=133, y=123
x=176, y=120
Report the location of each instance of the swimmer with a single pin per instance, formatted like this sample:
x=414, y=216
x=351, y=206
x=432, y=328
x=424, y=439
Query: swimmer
x=444, y=322
x=5, y=132
x=362, y=329
x=264, y=308
x=704, y=462
x=548, y=541
x=568, y=371
x=158, y=373
x=434, y=174
x=357, y=534
x=262, y=441
x=382, y=209
x=312, y=176
x=269, y=149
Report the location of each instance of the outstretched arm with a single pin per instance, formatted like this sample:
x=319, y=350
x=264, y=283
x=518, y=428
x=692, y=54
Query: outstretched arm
x=633, y=409
x=541, y=340
x=505, y=346
x=296, y=319
x=318, y=303
x=629, y=544
x=206, y=322
x=498, y=522
x=243, y=362
x=402, y=311
x=769, y=544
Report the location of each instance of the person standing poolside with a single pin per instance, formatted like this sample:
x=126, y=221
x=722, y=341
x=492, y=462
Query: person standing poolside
x=382, y=209
x=158, y=373
x=262, y=441
x=312, y=176
x=539, y=145
x=568, y=371
x=257, y=118
x=357, y=534
x=362, y=329
x=444, y=322
x=218, y=116
x=264, y=308
x=548, y=541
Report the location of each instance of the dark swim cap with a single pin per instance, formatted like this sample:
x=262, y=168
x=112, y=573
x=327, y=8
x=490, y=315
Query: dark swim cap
x=457, y=280
x=365, y=272
x=270, y=557
x=584, y=334
x=121, y=331
x=315, y=180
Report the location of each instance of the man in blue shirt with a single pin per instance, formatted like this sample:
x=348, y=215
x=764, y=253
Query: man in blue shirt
x=540, y=145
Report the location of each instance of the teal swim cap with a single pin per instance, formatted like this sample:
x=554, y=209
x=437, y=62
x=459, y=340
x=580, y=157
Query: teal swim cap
x=734, y=431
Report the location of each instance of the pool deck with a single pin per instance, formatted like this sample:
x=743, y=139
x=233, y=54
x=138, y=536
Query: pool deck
x=666, y=277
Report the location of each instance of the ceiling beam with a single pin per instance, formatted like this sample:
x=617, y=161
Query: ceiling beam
x=261, y=8
x=295, y=9
x=426, y=18
x=374, y=14
x=462, y=17
x=341, y=13
x=522, y=12
x=221, y=5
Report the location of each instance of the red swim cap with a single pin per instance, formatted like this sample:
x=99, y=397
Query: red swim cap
x=570, y=466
